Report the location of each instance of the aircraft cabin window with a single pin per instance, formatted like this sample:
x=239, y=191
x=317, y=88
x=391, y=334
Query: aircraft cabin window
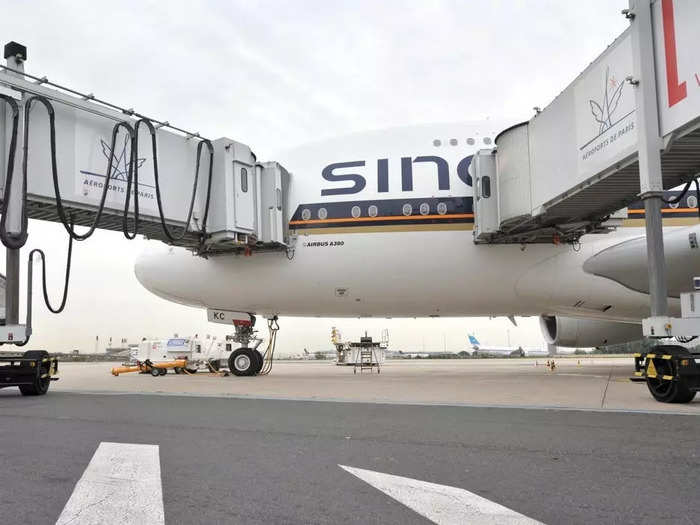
x=436, y=143
x=356, y=211
x=244, y=180
x=305, y=214
x=487, y=140
x=470, y=141
x=424, y=208
x=372, y=211
x=322, y=213
x=407, y=209
x=453, y=142
x=442, y=208
x=485, y=187
x=692, y=201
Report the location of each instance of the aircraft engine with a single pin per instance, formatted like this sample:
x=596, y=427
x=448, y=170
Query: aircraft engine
x=584, y=333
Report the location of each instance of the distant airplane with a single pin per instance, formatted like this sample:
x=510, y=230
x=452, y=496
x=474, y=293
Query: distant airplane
x=319, y=355
x=501, y=351
x=400, y=354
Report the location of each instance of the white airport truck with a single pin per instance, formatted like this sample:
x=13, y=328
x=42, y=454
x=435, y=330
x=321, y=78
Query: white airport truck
x=204, y=354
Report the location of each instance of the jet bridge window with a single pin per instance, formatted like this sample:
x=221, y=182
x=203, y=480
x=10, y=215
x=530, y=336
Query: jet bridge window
x=485, y=187
x=244, y=180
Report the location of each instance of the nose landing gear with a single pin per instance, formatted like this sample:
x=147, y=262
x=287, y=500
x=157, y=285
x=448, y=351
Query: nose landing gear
x=247, y=361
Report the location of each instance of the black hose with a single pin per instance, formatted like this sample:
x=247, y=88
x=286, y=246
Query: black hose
x=684, y=191
x=134, y=169
x=16, y=241
x=54, y=167
x=12, y=241
x=69, y=258
x=677, y=199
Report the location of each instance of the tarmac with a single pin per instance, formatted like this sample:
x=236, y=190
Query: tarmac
x=590, y=383
x=577, y=445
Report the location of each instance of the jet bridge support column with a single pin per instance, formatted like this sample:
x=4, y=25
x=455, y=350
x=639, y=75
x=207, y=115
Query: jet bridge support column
x=15, y=55
x=650, y=145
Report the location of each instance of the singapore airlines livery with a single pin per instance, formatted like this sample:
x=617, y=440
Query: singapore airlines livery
x=381, y=225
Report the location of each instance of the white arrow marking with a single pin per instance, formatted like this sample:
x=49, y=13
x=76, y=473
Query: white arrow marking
x=120, y=485
x=440, y=503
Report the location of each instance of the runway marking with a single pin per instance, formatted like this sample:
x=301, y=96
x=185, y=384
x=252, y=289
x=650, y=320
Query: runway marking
x=440, y=503
x=121, y=484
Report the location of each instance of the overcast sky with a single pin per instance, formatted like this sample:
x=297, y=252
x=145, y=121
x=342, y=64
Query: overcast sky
x=276, y=74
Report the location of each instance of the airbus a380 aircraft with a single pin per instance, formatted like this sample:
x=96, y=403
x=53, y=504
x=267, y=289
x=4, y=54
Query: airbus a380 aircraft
x=382, y=226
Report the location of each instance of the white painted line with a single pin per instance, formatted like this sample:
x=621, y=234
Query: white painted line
x=440, y=503
x=121, y=485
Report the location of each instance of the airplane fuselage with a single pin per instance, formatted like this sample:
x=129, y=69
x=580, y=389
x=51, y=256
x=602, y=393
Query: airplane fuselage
x=381, y=225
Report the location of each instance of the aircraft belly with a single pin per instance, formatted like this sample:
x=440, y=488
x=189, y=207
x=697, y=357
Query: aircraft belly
x=411, y=274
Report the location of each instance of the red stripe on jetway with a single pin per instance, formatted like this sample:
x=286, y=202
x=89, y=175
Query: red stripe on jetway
x=676, y=91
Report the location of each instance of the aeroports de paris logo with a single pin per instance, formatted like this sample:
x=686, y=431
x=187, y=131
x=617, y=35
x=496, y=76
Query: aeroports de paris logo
x=120, y=169
x=604, y=111
x=120, y=162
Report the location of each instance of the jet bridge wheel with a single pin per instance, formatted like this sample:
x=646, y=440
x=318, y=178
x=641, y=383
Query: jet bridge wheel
x=40, y=385
x=669, y=391
x=243, y=362
x=38, y=388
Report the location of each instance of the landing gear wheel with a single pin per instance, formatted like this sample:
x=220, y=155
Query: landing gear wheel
x=669, y=391
x=242, y=362
x=155, y=372
x=162, y=371
x=191, y=370
x=258, y=362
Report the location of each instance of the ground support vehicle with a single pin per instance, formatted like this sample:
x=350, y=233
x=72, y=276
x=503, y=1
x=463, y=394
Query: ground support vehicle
x=671, y=373
x=32, y=372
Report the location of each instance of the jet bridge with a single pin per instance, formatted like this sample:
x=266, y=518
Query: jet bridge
x=94, y=163
x=70, y=157
x=571, y=168
x=627, y=128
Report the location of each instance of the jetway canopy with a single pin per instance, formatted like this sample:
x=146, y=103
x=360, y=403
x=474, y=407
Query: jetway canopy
x=244, y=204
x=575, y=163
